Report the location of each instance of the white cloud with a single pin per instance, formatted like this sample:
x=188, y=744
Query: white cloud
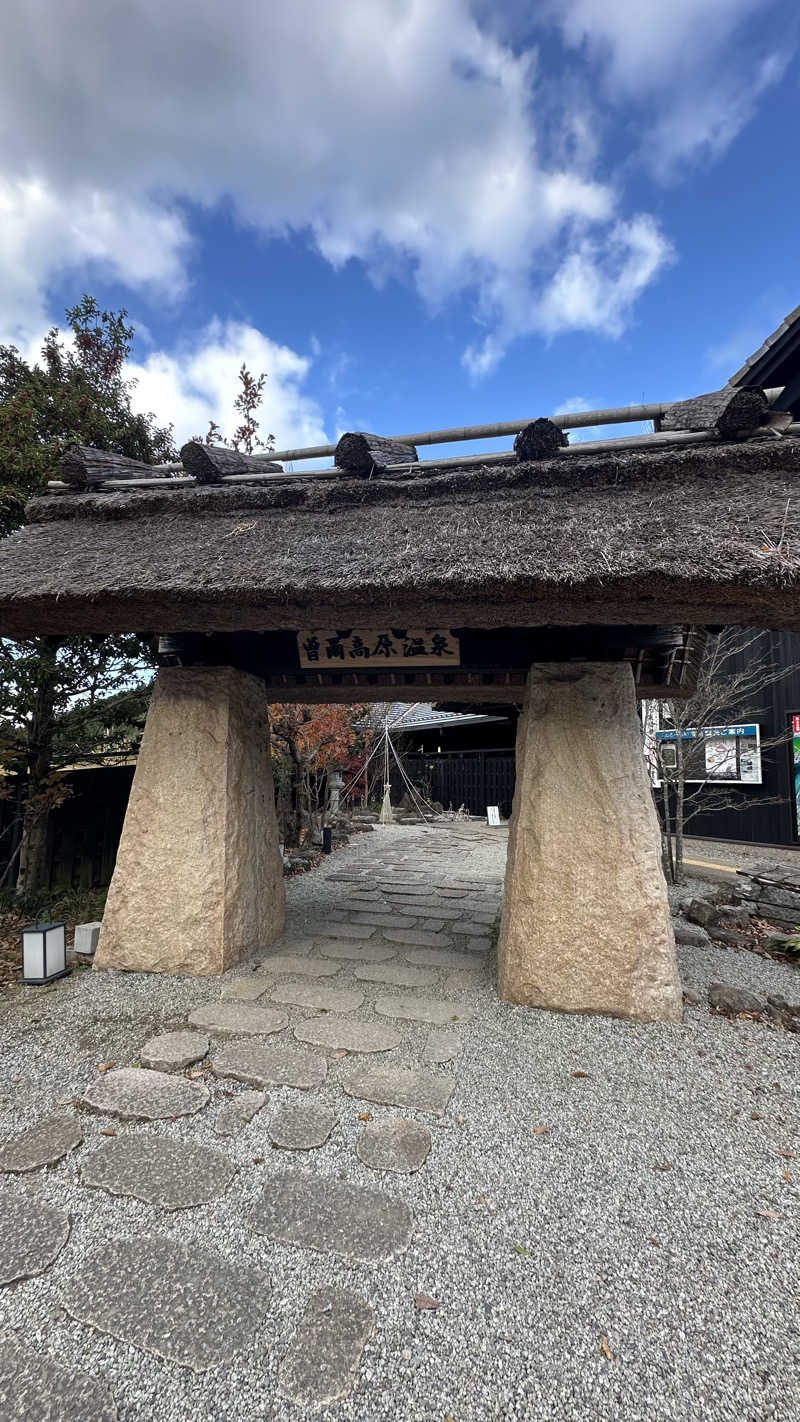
x=44, y=233
x=199, y=383
x=681, y=63
x=594, y=289
x=406, y=134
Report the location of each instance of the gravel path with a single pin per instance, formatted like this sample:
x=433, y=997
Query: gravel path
x=757, y=858
x=603, y=1217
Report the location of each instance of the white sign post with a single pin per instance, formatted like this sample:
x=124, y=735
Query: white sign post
x=493, y=814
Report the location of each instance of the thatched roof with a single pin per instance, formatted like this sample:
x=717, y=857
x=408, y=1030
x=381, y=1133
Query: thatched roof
x=702, y=534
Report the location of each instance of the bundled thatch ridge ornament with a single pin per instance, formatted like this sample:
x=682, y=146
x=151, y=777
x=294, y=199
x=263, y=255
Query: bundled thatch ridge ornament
x=368, y=454
x=541, y=439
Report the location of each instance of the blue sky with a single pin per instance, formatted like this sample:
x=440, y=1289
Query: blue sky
x=410, y=213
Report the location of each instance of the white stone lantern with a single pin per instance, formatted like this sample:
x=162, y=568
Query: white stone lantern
x=44, y=953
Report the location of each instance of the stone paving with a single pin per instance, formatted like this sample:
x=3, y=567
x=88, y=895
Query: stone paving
x=326, y=1072
x=388, y=929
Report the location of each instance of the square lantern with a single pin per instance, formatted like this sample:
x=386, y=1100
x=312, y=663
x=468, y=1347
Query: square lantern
x=44, y=953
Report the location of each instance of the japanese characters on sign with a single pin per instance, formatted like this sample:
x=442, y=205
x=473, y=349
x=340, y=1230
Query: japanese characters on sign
x=362, y=647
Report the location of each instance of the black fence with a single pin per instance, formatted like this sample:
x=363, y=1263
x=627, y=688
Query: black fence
x=83, y=832
x=455, y=778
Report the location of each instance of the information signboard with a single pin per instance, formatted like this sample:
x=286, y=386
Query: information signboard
x=730, y=753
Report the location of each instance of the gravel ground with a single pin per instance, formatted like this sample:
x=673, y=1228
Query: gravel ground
x=543, y=1223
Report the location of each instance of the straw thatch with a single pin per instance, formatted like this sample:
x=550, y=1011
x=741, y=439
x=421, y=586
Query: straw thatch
x=704, y=534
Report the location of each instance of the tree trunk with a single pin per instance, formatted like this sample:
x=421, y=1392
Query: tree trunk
x=669, y=863
x=680, y=787
x=36, y=811
x=295, y=796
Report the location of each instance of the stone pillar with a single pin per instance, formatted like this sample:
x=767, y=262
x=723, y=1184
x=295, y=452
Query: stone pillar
x=586, y=924
x=198, y=883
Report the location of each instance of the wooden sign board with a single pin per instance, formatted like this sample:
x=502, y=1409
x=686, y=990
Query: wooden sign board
x=360, y=648
x=493, y=814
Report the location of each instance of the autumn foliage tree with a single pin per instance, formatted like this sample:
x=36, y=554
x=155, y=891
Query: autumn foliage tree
x=308, y=743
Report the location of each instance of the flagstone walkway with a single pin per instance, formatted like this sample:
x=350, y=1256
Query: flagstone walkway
x=346, y=1181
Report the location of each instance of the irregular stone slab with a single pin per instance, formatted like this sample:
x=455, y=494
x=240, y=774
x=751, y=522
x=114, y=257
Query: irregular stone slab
x=270, y=1066
x=466, y=979
x=449, y=893
x=142, y=1095
x=408, y=907
x=597, y=938
x=323, y=1357
x=332, y=1217
x=182, y=1302
x=300, y=967
x=158, y=1170
x=396, y=975
x=397, y=1086
x=478, y=945
x=422, y=1009
x=442, y=1047
x=416, y=937
x=360, y=952
x=243, y=990
x=32, y=1236
x=325, y=998
x=394, y=1144
x=473, y=928
x=432, y=925
x=289, y=943
x=444, y=911
x=236, y=1114
x=439, y=958
x=34, y=1388
x=172, y=1051
x=342, y=930
x=379, y=920
x=42, y=1144
x=301, y=1126
x=347, y=1036
x=409, y=893
x=234, y=1019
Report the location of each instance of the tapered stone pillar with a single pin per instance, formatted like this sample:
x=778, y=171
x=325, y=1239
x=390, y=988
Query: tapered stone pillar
x=198, y=883
x=586, y=924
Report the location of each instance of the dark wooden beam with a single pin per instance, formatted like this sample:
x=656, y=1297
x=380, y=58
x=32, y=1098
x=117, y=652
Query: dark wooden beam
x=209, y=462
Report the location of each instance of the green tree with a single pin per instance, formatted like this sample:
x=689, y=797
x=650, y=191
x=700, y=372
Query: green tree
x=62, y=699
x=76, y=394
